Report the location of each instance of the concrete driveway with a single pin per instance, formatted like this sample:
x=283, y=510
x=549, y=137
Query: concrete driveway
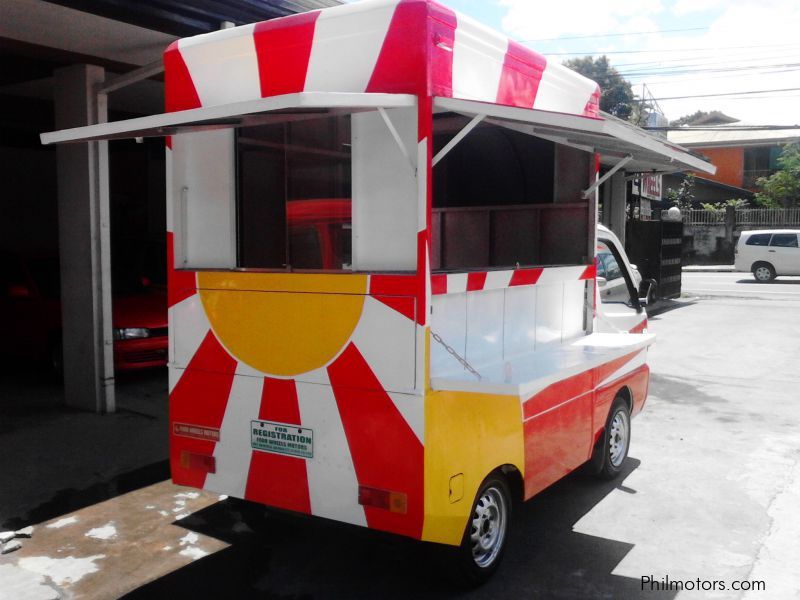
x=710, y=496
x=739, y=285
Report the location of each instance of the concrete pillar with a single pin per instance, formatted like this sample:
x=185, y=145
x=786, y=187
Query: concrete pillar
x=615, y=209
x=84, y=244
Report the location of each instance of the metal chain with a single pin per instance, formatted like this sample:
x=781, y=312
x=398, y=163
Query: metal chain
x=455, y=355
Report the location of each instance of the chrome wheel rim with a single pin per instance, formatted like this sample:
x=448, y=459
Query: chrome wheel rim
x=762, y=274
x=488, y=527
x=618, y=438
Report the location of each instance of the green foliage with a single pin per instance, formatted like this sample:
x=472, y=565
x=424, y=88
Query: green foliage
x=684, y=195
x=616, y=97
x=782, y=188
x=721, y=206
x=687, y=119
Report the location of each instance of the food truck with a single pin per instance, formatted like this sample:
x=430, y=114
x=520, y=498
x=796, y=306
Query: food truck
x=383, y=299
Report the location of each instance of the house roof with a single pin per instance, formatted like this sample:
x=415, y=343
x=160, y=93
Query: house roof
x=734, y=135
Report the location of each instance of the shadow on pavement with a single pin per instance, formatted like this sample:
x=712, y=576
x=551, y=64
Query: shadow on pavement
x=665, y=306
x=284, y=556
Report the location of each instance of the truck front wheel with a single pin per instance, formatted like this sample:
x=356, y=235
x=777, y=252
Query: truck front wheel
x=612, y=447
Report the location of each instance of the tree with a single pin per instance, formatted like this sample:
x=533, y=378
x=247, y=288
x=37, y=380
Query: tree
x=782, y=188
x=617, y=97
x=688, y=119
x=683, y=197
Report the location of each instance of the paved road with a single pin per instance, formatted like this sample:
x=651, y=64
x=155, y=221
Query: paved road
x=741, y=285
x=710, y=492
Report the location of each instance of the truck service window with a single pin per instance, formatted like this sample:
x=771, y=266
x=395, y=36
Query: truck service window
x=495, y=200
x=293, y=207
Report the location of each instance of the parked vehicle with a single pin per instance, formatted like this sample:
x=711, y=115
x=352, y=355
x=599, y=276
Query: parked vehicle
x=30, y=302
x=768, y=253
x=438, y=347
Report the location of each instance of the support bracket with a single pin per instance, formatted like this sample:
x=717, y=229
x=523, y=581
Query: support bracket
x=396, y=135
x=590, y=190
x=458, y=137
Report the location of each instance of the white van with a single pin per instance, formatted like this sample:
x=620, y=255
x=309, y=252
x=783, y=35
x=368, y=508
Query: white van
x=768, y=253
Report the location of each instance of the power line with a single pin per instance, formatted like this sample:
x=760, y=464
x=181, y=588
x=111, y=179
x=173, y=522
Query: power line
x=667, y=50
x=603, y=35
x=729, y=94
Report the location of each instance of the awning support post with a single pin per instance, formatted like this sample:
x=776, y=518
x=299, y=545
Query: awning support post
x=458, y=137
x=396, y=135
x=590, y=190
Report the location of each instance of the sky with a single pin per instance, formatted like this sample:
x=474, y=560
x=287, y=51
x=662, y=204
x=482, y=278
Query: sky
x=677, y=48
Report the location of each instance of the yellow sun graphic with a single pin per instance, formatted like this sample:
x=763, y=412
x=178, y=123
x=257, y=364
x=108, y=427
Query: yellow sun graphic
x=282, y=324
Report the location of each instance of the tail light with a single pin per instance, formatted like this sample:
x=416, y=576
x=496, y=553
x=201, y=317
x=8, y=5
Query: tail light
x=198, y=462
x=396, y=502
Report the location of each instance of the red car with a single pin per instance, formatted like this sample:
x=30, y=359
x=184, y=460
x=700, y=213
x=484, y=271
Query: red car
x=31, y=308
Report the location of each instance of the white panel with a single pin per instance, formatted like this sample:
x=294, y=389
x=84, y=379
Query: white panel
x=347, y=42
x=519, y=335
x=563, y=90
x=412, y=407
x=387, y=340
x=224, y=68
x=574, y=296
x=478, y=57
x=558, y=274
x=485, y=327
x=449, y=320
x=496, y=280
x=457, y=283
x=188, y=327
x=549, y=311
x=233, y=451
x=385, y=195
x=332, y=482
x=203, y=192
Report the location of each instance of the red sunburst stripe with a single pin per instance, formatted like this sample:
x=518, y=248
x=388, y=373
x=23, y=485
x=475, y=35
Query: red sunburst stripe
x=386, y=453
x=179, y=90
x=397, y=69
x=521, y=76
x=557, y=393
x=525, y=277
x=274, y=479
x=442, y=23
x=200, y=398
x=395, y=291
x=283, y=49
x=590, y=272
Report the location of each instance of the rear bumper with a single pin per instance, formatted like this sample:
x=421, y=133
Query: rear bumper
x=145, y=353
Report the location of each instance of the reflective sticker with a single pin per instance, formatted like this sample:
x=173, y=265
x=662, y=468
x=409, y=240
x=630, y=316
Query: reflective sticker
x=282, y=438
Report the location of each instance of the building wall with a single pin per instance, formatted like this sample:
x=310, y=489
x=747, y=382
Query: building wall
x=729, y=163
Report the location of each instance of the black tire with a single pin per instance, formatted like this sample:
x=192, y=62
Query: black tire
x=611, y=449
x=472, y=563
x=764, y=272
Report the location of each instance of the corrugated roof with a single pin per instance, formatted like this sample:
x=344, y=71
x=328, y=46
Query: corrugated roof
x=733, y=136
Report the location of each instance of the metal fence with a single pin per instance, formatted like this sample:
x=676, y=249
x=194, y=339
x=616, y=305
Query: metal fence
x=766, y=217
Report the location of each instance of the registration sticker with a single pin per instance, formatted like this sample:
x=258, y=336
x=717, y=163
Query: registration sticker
x=282, y=438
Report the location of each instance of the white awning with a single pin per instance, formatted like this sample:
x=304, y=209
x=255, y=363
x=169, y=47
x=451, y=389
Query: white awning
x=610, y=137
x=289, y=107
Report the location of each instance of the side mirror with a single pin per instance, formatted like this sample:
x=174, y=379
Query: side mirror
x=647, y=288
x=601, y=282
x=19, y=290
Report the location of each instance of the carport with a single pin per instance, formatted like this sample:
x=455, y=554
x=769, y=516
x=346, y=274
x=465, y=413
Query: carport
x=68, y=64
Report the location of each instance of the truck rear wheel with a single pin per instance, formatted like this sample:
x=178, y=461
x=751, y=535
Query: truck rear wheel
x=484, y=542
